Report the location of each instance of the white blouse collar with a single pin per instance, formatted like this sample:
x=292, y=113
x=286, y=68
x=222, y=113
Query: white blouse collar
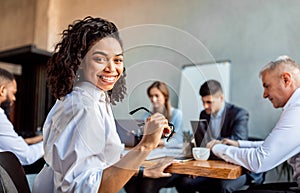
x=94, y=91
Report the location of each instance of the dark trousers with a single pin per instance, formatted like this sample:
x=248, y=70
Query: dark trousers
x=284, y=187
x=210, y=185
x=150, y=185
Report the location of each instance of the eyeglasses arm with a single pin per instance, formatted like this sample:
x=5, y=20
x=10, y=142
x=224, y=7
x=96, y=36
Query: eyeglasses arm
x=140, y=108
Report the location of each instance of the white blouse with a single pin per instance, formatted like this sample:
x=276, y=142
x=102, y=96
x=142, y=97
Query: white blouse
x=80, y=141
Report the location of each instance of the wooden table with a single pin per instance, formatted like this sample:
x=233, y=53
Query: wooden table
x=209, y=168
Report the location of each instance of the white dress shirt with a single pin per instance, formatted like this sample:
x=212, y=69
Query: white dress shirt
x=11, y=141
x=280, y=145
x=80, y=141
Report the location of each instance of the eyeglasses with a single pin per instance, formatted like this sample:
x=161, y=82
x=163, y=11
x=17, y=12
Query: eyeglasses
x=166, y=133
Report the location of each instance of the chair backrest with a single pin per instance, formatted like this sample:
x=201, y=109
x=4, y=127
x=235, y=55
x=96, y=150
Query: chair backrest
x=14, y=170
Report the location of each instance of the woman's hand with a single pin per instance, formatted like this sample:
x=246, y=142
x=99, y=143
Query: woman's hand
x=157, y=171
x=153, y=130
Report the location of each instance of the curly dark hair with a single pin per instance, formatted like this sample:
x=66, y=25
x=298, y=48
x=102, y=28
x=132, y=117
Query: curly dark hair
x=76, y=41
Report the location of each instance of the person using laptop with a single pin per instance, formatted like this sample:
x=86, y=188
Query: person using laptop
x=224, y=120
x=159, y=96
x=281, y=82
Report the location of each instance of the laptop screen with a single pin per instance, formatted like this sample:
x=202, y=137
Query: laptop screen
x=201, y=133
x=130, y=131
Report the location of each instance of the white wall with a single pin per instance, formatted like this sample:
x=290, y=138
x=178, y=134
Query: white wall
x=161, y=36
x=250, y=33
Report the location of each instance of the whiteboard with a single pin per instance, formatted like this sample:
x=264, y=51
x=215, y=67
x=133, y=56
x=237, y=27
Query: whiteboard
x=192, y=77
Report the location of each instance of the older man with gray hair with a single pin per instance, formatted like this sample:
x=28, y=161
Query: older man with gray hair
x=281, y=82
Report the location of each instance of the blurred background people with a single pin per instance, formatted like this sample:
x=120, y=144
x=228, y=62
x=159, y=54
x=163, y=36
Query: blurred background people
x=159, y=96
x=27, y=150
x=225, y=120
x=281, y=82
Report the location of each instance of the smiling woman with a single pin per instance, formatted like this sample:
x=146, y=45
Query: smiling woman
x=82, y=147
x=103, y=64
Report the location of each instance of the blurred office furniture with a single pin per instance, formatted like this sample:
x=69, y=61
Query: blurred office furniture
x=12, y=175
x=34, y=168
x=33, y=97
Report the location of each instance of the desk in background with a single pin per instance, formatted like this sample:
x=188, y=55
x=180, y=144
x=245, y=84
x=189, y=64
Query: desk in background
x=209, y=168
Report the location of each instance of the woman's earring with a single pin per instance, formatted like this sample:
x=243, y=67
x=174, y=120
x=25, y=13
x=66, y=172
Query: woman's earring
x=78, y=77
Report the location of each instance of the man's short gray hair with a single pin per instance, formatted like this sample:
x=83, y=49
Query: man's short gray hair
x=282, y=61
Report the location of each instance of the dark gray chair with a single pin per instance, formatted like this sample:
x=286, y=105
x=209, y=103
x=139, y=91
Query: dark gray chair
x=12, y=175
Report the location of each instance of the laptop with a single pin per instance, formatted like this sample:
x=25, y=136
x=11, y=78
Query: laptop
x=130, y=131
x=202, y=135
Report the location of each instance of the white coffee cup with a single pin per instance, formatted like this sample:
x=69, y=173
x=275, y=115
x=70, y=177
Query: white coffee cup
x=201, y=153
